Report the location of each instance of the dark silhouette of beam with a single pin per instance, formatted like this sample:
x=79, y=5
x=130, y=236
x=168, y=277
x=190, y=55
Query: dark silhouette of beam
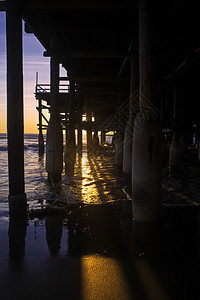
x=88, y=54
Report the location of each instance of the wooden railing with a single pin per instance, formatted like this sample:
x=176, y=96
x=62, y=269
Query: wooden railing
x=46, y=88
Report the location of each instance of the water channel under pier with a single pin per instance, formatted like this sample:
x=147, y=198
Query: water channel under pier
x=80, y=242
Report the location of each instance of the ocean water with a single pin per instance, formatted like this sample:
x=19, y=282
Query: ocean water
x=35, y=175
x=91, y=181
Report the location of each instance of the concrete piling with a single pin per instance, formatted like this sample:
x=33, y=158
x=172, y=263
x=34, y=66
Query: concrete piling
x=15, y=124
x=103, y=137
x=79, y=117
x=146, y=159
x=54, y=143
x=174, y=154
x=89, y=132
x=70, y=146
x=95, y=141
x=40, y=136
x=128, y=135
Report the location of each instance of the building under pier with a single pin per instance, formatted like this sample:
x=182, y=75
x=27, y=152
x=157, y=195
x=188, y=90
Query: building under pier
x=133, y=64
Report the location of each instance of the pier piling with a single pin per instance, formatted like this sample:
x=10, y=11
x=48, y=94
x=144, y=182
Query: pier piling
x=40, y=137
x=54, y=143
x=134, y=103
x=146, y=161
x=103, y=137
x=15, y=124
x=89, y=132
x=70, y=146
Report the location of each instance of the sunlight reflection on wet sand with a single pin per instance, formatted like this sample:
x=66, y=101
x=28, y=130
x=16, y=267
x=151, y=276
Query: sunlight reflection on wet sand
x=93, y=181
x=103, y=277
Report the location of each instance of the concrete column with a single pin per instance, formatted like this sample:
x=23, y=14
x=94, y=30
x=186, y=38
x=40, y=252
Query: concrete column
x=183, y=147
x=66, y=119
x=175, y=109
x=79, y=113
x=198, y=158
x=95, y=141
x=165, y=142
x=54, y=144
x=40, y=137
x=103, y=137
x=119, y=136
x=70, y=146
x=80, y=137
x=66, y=129
x=183, y=135
x=89, y=132
x=146, y=159
x=118, y=148
x=72, y=116
x=174, y=154
x=15, y=126
x=134, y=105
x=174, y=149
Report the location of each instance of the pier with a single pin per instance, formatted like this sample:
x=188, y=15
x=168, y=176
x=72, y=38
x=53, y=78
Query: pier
x=133, y=75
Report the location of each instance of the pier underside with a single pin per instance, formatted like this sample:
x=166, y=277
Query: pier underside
x=120, y=219
x=132, y=70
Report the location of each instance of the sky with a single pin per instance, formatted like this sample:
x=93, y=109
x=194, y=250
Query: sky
x=33, y=61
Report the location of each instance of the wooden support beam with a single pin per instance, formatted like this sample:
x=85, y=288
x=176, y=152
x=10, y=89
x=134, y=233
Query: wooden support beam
x=126, y=59
x=100, y=93
x=80, y=5
x=42, y=115
x=95, y=89
x=54, y=90
x=43, y=126
x=179, y=70
x=94, y=79
x=40, y=137
x=45, y=107
x=88, y=54
x=2, y=5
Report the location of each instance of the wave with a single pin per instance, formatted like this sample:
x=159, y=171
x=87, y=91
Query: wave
x=31, y=146
x=26, y=147
x=31, y=136
x=3, y=148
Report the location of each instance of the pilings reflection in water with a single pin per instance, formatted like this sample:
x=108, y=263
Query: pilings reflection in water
x=94, y=252
x=88, y=247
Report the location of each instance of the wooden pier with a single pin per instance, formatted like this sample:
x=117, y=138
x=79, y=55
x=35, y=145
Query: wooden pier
x=104, y=46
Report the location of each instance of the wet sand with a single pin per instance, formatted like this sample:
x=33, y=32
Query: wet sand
x=95, y=251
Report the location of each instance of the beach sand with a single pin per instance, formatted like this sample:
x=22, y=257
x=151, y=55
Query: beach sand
x=95, y=252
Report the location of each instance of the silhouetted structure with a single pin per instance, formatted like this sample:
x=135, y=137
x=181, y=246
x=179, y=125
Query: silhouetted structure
x=96, y=43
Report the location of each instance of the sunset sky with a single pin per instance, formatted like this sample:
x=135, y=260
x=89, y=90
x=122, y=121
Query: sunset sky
x=33, y=62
